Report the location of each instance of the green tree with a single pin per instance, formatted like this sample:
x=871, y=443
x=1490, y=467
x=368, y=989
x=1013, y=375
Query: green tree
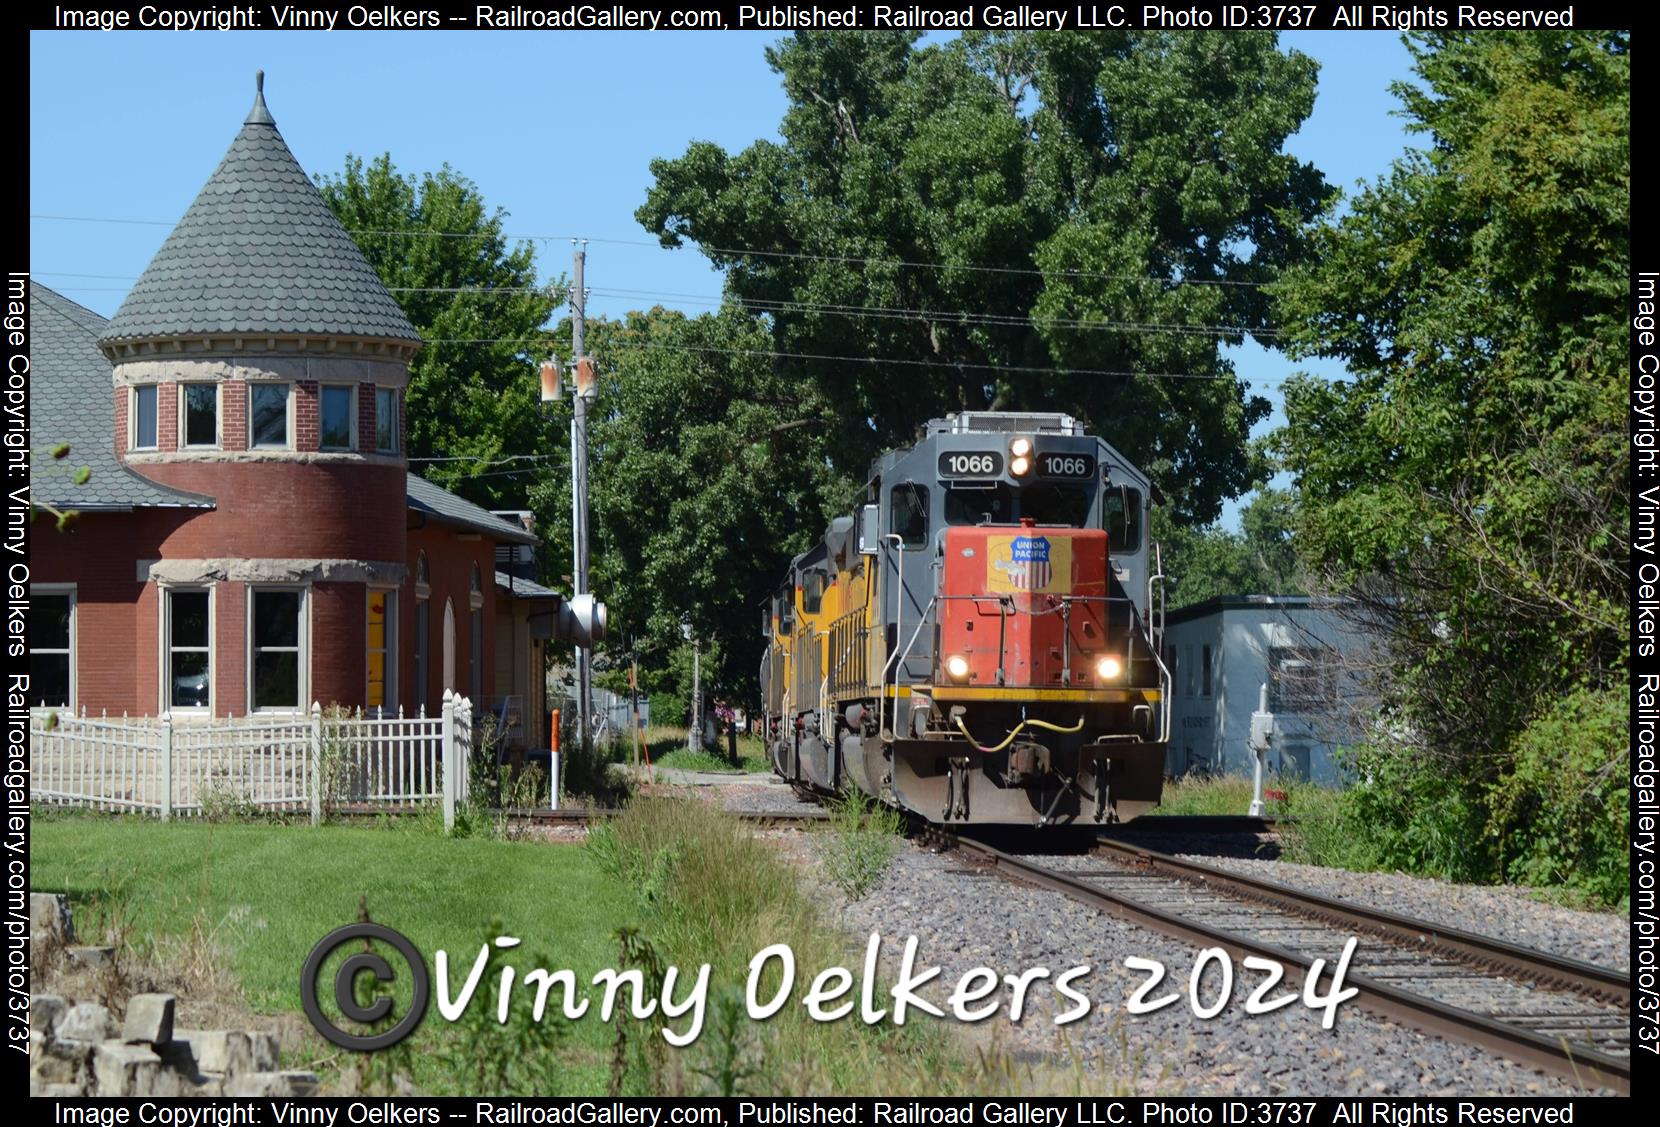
x=709, y=474
x=962, y=217
x=476, y=301
x=1469, y=482
x=1259, y=559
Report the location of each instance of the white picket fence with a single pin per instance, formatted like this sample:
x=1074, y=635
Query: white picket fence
x=173, y=767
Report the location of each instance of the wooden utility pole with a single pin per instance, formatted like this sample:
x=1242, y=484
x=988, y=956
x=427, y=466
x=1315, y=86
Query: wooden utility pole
x=583, y=374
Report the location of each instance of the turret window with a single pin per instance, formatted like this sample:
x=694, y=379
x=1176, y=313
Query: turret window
x=386, y=420
x=268, y=415
x=200, y=405
x=276, y=640
x=338, y=428
x=144, y=418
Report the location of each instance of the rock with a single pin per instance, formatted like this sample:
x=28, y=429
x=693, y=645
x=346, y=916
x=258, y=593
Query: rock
x=218, y=1050
x=50, y=918
x=264, y=1050
x=273, y=1084
x=124, y=1070
x=55, y=1091
x=93, y=958
x=87, y=1021
x=45, y=1011
x=62, y=1062
x=149, y=1019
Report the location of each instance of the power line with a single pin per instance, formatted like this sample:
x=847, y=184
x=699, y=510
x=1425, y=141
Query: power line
x=745, y=253
x=771, y=305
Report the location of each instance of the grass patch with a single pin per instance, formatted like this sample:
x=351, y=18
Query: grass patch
x=667, y=747
x=270, y=892
x=1216, y=794
x=705, y=889
x=863, y=841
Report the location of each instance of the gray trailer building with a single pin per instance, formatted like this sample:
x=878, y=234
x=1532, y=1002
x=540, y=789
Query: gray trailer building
x=1223, y=650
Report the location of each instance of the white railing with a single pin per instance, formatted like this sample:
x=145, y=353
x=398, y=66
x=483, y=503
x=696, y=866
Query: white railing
x=171, y=766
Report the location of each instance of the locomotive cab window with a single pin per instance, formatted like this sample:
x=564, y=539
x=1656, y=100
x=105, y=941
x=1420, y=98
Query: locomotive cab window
x=979, y=505
x=786, y=617
x=1055, y=504
x=812, y=591
x=908, y=514
x=1121, y=517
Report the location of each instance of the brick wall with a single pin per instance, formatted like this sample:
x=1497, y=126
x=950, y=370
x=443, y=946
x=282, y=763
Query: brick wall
x=450, y=562
x=167, y=417
x=233, y=416
x=306, y=420
x=339, y=612
x=230, y=652
x=326, y=510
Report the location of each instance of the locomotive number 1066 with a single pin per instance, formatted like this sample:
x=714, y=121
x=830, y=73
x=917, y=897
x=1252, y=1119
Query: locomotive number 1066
x=1066, y=465
x=971, y=463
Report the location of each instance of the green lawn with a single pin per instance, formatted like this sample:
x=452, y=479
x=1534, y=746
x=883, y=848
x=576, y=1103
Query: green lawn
x=273, y=891
x=667, y=747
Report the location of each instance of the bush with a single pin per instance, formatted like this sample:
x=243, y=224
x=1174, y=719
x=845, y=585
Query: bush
x=862, y=844
x=1560, y=816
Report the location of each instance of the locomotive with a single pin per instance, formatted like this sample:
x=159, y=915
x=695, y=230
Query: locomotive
x=981, y=641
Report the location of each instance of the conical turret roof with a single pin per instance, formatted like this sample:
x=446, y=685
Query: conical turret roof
x=259, y=252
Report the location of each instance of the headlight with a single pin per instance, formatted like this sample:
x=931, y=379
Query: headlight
x=1020, y=466
x=1020, y=448
x=1108, y=668
x=956, y=667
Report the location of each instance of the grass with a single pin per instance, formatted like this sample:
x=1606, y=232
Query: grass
x=863, y=843
x=667, y=747
x=275, y=890
x=708, y=890
x=1218, y=794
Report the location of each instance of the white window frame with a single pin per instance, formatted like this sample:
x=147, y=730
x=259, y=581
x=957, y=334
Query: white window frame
x=51, y=589
x=390, y=704
x=288, y=443
x=183, y=397
x=132, y=416
x=302, y=647
x=351, y=418
x=167, y=591
x=397, y=402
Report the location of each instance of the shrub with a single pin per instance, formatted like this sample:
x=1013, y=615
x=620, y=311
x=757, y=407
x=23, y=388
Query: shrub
x=862, y=844
x=1560, y=816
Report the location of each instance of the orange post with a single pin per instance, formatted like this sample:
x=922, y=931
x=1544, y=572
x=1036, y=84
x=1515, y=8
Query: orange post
x=553, y=757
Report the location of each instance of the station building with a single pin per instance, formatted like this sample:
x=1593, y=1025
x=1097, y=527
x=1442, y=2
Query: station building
x=250, y=538
x=1221, y=652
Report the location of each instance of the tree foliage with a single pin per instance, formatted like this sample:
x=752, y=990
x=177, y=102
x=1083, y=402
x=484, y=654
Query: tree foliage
x=960, y=218
x=1469, y=483
x=709, y=474
x=1259, y=559
x=475, y=299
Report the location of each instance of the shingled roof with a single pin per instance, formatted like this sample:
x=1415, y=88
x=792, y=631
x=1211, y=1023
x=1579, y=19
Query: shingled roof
x=259, y=252
x=441, y=505
x=70, y=402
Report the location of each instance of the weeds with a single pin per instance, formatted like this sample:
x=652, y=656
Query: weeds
x=862, y=844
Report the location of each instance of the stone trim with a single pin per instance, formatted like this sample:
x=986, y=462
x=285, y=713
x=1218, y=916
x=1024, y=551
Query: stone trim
x=214, y=369
x=238, y=570
x=151, y=457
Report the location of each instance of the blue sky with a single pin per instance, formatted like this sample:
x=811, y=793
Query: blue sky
x=556, y=128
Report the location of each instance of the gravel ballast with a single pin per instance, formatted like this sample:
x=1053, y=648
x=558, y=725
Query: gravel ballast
x=1509, y=914
x=965, y=917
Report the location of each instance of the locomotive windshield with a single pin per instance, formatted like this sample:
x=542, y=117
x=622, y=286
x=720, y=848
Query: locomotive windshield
x=999, y=503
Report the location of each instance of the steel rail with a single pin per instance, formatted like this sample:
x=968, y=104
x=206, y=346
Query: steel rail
x=1524, y=963
x=1587, y=1067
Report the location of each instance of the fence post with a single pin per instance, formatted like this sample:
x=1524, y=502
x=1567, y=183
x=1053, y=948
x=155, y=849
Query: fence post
x=447, y=725
x=464, y=729
x=316, y=763
x=167, y=766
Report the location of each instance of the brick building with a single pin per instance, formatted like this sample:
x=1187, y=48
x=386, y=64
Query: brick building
x=251, y=538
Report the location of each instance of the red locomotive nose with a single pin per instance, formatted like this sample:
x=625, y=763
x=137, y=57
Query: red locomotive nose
x=1003, y=593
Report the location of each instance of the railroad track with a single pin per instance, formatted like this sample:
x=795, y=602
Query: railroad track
x=582, y=816
x=1559, y=1015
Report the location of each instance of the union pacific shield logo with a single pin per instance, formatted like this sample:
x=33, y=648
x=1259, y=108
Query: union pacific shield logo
x=1028, y=564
